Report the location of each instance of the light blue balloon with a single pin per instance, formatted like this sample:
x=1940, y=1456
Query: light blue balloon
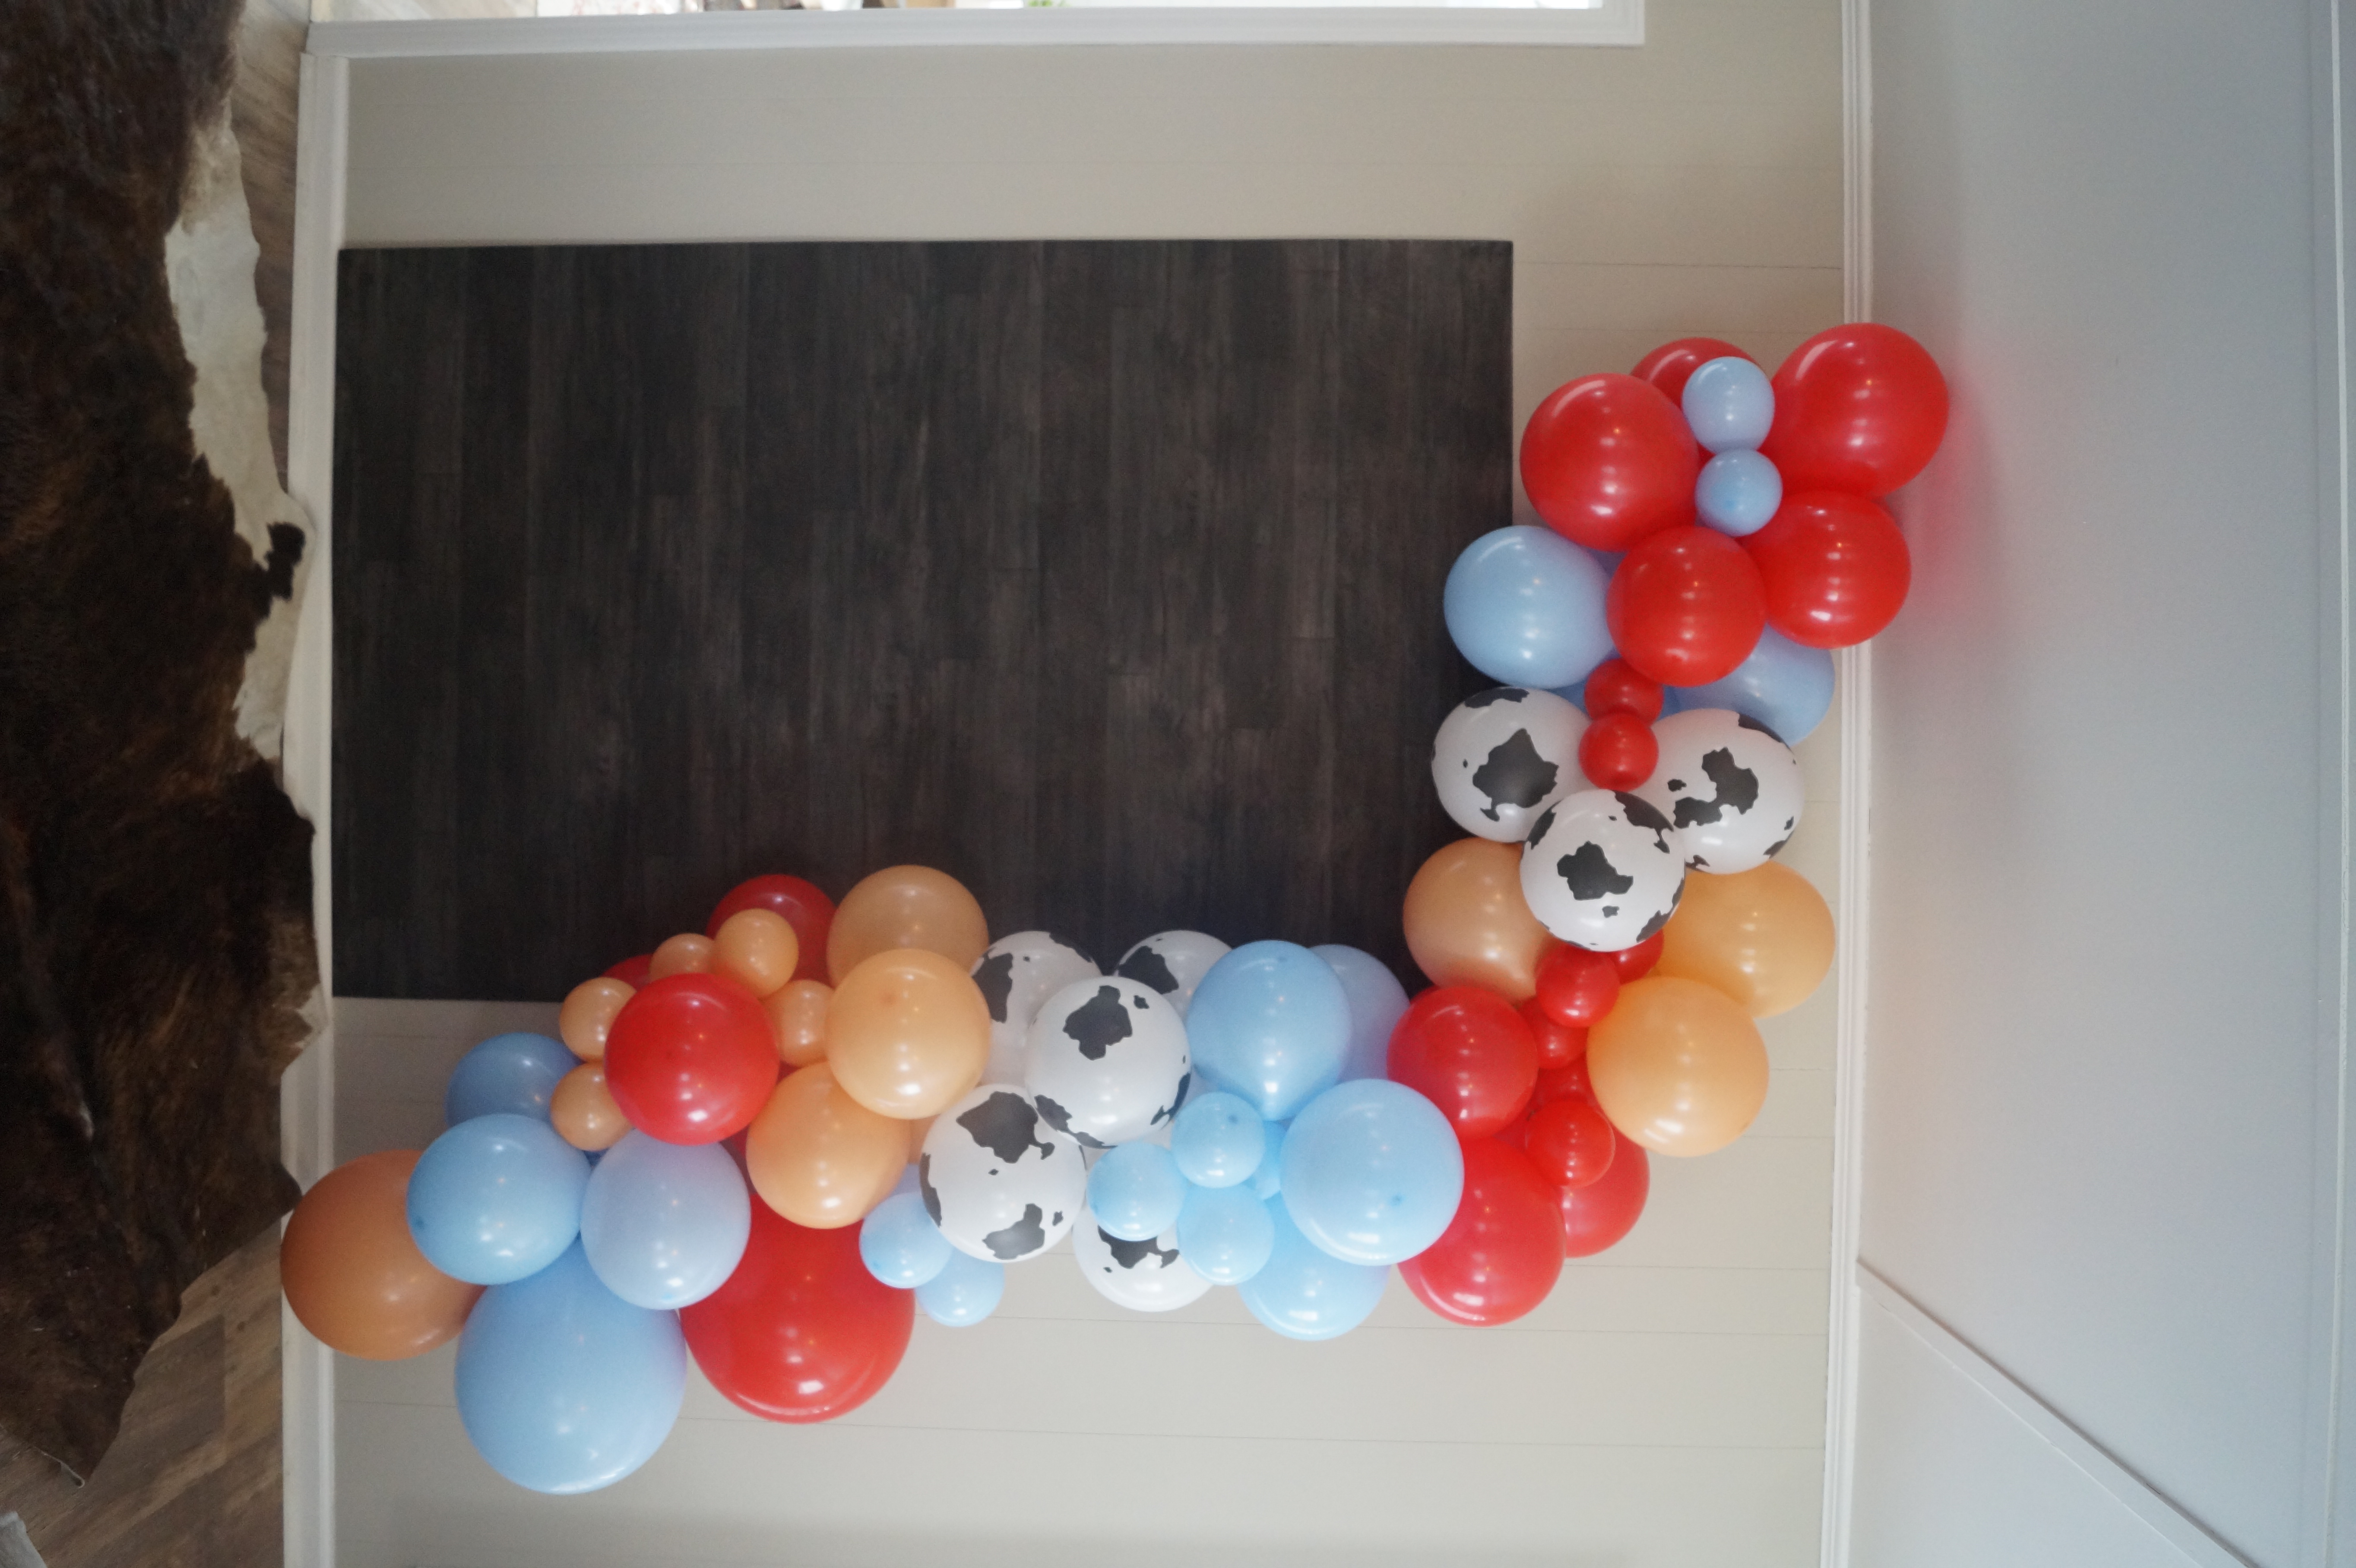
x=1784, y=684
x=1269, y=1024
x=562, y=1385
x=1525, y=608
x=1738, y=493
x=1224, y=1234
x=965, y=1291
x=664, y=1224
x=1372, y=1171
x=496, y=1198
x=1269, y=1179
x=512, y=1072
x=901, y=1245
x=1216, y=1141
x=1306, y=1293
x=1135, y=1190
x=1730, y=404
x=1377, y=1002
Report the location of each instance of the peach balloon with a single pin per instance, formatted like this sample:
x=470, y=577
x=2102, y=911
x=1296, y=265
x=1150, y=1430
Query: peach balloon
x=907, y=1032
x=819, y=1157
x=1677, y=1066
x=686, y=954
x=905, y=906
x=758, y=949
x=584, y=1111
x=1762, y=936
x=353, y=1275
x=1467, y=924
x=797, y=1012
x=588, y=1013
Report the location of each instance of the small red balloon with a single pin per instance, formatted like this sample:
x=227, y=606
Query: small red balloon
x=803, y=906
x=1672, y=365
x=1635, y=963
x=1503, y=1250
x=1860, y=407
x=802, y=1332
x=1618, y=687
x=1570, y=1141
x=1577, y=987
x=1618, y=751
x=1834, y=566
x=1467, y=1052
x=1569, y=1082
x=1597, y=1216
x=691, y=1058
x=1687, y=606
x=633, y=972
x=1607, y=460
x=1558, y=1044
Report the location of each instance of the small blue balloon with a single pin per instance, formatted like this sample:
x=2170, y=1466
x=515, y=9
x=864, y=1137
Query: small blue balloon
x=1269, y=1179
x=562, y=1385
x=966, y=1290
x=1216, y=1141
x=1224, y=1234
x=901, y=1245
x=1135, y=1190
x=1784, y=684
x=517, y=1073
x=664, y=1224
x=496, y=1198
x=1525, y=607
x=1377, y=1002
x=1731, y=404
x=1271, y=1024
x=1372, y=1171
x=1306, y=1293
x=1738, y=493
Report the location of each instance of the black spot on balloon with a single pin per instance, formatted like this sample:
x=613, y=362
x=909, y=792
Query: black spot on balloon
x=1067, y=941
x=1653, y=926
x=1148, y=967
x=1747, y=722
x=1773, y=849
x=995, y=975
x=1514, y=774
x=925, y=1187
x=1138, y=1002
x=1170, y=1110
x=1735, y=789
x=1610, y=909
x=1055, y=1117
x=1128, y=1254
x=1643, y=813
x=1495, y=695
x=1675, y=784
x=1021, y=1239
x=1544, y=822
x=1588, y=873
x=1098, y=1024
x=1058, y=1218
x=1006, y=1124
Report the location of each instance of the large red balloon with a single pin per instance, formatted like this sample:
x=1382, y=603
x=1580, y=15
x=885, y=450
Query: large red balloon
x=1503, y=1252
x=1467, y=1052
x=1834, y=566
x=690, y=1058
x=1596, y=1216
x=1672, y=365
x=802, y=1332
x=804, y=907
x=1858, y=408
x=1571, y=1141
x=1687, y=606
x=1608, y=460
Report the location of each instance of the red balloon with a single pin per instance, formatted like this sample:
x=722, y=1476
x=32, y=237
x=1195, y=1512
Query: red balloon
x=1834, y=566
x=633, y=972
x=804, y=907
x=1635, y=963
x=1503, y=1250
x=691, y=1058
x=1608, y=460
x=1596, y=1216
x=1618, y=687
x=1672, y=365
x=1687, y=606
x=1571, y=1142
x=1467, y=1052
x=1618, y=751
x=1558, y=1044
x=1577, y=987
x=1859, y=408
x=1569, y=1082
x=802, y=1332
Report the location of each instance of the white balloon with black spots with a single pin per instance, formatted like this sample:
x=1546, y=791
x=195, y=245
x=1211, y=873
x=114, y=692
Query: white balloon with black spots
x=1731, y=790
x=1173, y=963
x=1144, y=1277
x=1001, y=1184
x=1599, y=871
x=1504, y=755
x=1016, y=972
x=1108, y=1060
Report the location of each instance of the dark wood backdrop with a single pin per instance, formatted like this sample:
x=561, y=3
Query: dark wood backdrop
x=1104, y=576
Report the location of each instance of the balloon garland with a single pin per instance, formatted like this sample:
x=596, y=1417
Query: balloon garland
x=766, y=1146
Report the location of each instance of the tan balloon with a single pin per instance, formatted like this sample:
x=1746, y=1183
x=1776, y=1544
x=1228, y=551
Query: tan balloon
x=584, y=1111
x=758, y=949
x=819, y=1157
x=1677, y=1066
x=797, y=1012
x=907, y=1032
x=1467, y=924
x=905, y=906
x=686, y=954
x=352, y=1274
x=1762, y=936
x=588, y=1014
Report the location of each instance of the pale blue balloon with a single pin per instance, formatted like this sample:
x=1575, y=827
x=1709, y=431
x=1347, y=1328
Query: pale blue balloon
x=562, y=1385
x=900, y=1244
x=1306, y=1293
x=1135, y=1190
x=1271, y=1024
x=1224, y=1234
x=1730, y=404
x=1269, y=1179
x=496, y=1198
x=512, y=1072
x=966, y=1290
x=1372, y=1171
x=1216, y=1141
x=664, y=1224
x=1784, y=684
x=1738, y=493
x=1377, y=1002
x=1525, y=607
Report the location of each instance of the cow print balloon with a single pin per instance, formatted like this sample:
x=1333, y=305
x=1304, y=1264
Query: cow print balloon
x=1016, y=974
x=1599, y=872
x=1144, y=1277
x=1504, y=756
x=1731, y=790
x=1108, y=1060
x=1000, y=1183
x=1173, y=963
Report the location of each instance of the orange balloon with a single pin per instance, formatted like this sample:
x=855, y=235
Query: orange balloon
x=905, y=906
x=758, y=949
x=819, y=1157
x=1467, y=924
x=686, y=954
x=907, y=1032
x=1762, y=936
x=353, y=1275
x=584, y=1111
x=588, y=1012
x=1677, y=1066
x=797, y=1012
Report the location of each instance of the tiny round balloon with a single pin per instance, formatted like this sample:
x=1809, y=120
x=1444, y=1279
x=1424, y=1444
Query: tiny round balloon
x=1635, y=963
x=965, y=1291
x=1525, y=607
x=1601, y=1214
x=1217, y=1141
x=1468, y=1053
x=633, y=972
x=691, y=1058
x=496, y=1198
x=1224, y=1234
x=686, y=954
x=758, y=949
x=1305, y=1293
x=1669, y=366
x=514, y=1074
x=1271, y=1023
x=1619, y=686
x=1729, y=403
x=584, y=1111
x=1372, y=1171
x=1377, y=1000
x=804, y=906
x=797, y=1016
x=1503, y=1253
x=901, y=1245
x=1558, y=1044
x=1687, y=606
x=1577, y=988
x=1137, y=1190
x=1834, y=569
x=352, y=1272
x=1736, y=494
x=1860, y=407
x=1570, y=1141
x=588, y=1014
x=1606, y=460
x=664, y=1224
x=1618, y=751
